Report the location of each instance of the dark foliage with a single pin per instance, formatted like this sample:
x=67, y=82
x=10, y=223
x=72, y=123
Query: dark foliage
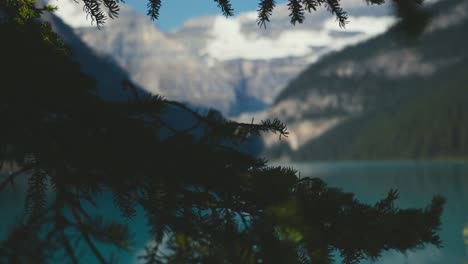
x=153, y=8
x=226, y=7
x=265, y=10
x=205, y=201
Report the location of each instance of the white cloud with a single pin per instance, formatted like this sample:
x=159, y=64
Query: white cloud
x=229, y=42
x=71, y=13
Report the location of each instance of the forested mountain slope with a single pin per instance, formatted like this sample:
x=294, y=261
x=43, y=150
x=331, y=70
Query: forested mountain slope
x=431, y=125
x=401, y=95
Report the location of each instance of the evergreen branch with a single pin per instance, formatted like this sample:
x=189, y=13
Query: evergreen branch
x=86, y=237
x=333, y=6
x=151, y=104
x=36, y=193
x=226, y=7
x=265, y=10
x=265, y=126
x=275, y=126
x=296, y=11
x=152, y=254
x=143, y=105
x=153, y=9
x=310, y=5
x=92, y=8
x=68, y=248
x=375, y=2
x=386, y=204
x=10, y=178
x=128, y=85
x=74, y=202
x=113, y=8
x=107, y=232
x=125, y=204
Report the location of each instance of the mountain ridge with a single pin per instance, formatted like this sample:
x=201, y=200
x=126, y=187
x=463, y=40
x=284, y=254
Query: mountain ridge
x=347, y=105
x=188, y=64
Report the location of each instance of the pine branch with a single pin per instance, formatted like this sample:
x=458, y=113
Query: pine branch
x=386, y=204
x=296, y=11
x=153, y=9
x=36, y=193
x=268, y=125
x=125, y=204
x=226, y=7
x=334, y=7
x=68, y=248
x=265, y=10
x=152, y=254
x=86, y=237
x=93, y=9
x=10, y=178
x=112, y=7
x=375, y=2
x=310, y=5
x=150, y=104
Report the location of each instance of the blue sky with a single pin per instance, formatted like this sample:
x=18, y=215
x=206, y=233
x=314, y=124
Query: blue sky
x=173, y=16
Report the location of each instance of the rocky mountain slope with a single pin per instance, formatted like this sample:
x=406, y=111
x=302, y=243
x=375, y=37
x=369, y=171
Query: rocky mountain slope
x=229, y=64
x=158, y=63
x=395, y=96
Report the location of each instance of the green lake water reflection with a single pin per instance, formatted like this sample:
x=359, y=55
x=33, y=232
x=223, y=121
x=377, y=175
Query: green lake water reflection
x=417, y=183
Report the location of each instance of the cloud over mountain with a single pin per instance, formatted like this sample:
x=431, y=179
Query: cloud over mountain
x=231, y=64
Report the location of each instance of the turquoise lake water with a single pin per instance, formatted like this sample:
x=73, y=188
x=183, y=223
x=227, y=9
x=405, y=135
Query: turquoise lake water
x=417, y=183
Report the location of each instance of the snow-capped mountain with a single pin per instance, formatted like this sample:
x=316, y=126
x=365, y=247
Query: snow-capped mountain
x=227, y=63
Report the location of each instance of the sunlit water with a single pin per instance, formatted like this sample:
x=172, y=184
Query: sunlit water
x=417, y=183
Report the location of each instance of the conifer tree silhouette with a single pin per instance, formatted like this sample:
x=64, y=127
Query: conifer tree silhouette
x=205, y=201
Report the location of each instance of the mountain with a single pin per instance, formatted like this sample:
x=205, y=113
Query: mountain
x=228, y=64
x=396, y=96
x=158, y=63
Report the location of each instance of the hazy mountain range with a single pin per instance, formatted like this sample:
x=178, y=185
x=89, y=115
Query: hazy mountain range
x=344, y=94
x=228, y=64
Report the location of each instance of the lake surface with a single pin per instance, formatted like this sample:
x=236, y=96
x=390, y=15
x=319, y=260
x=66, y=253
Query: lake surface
x=417, y=183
